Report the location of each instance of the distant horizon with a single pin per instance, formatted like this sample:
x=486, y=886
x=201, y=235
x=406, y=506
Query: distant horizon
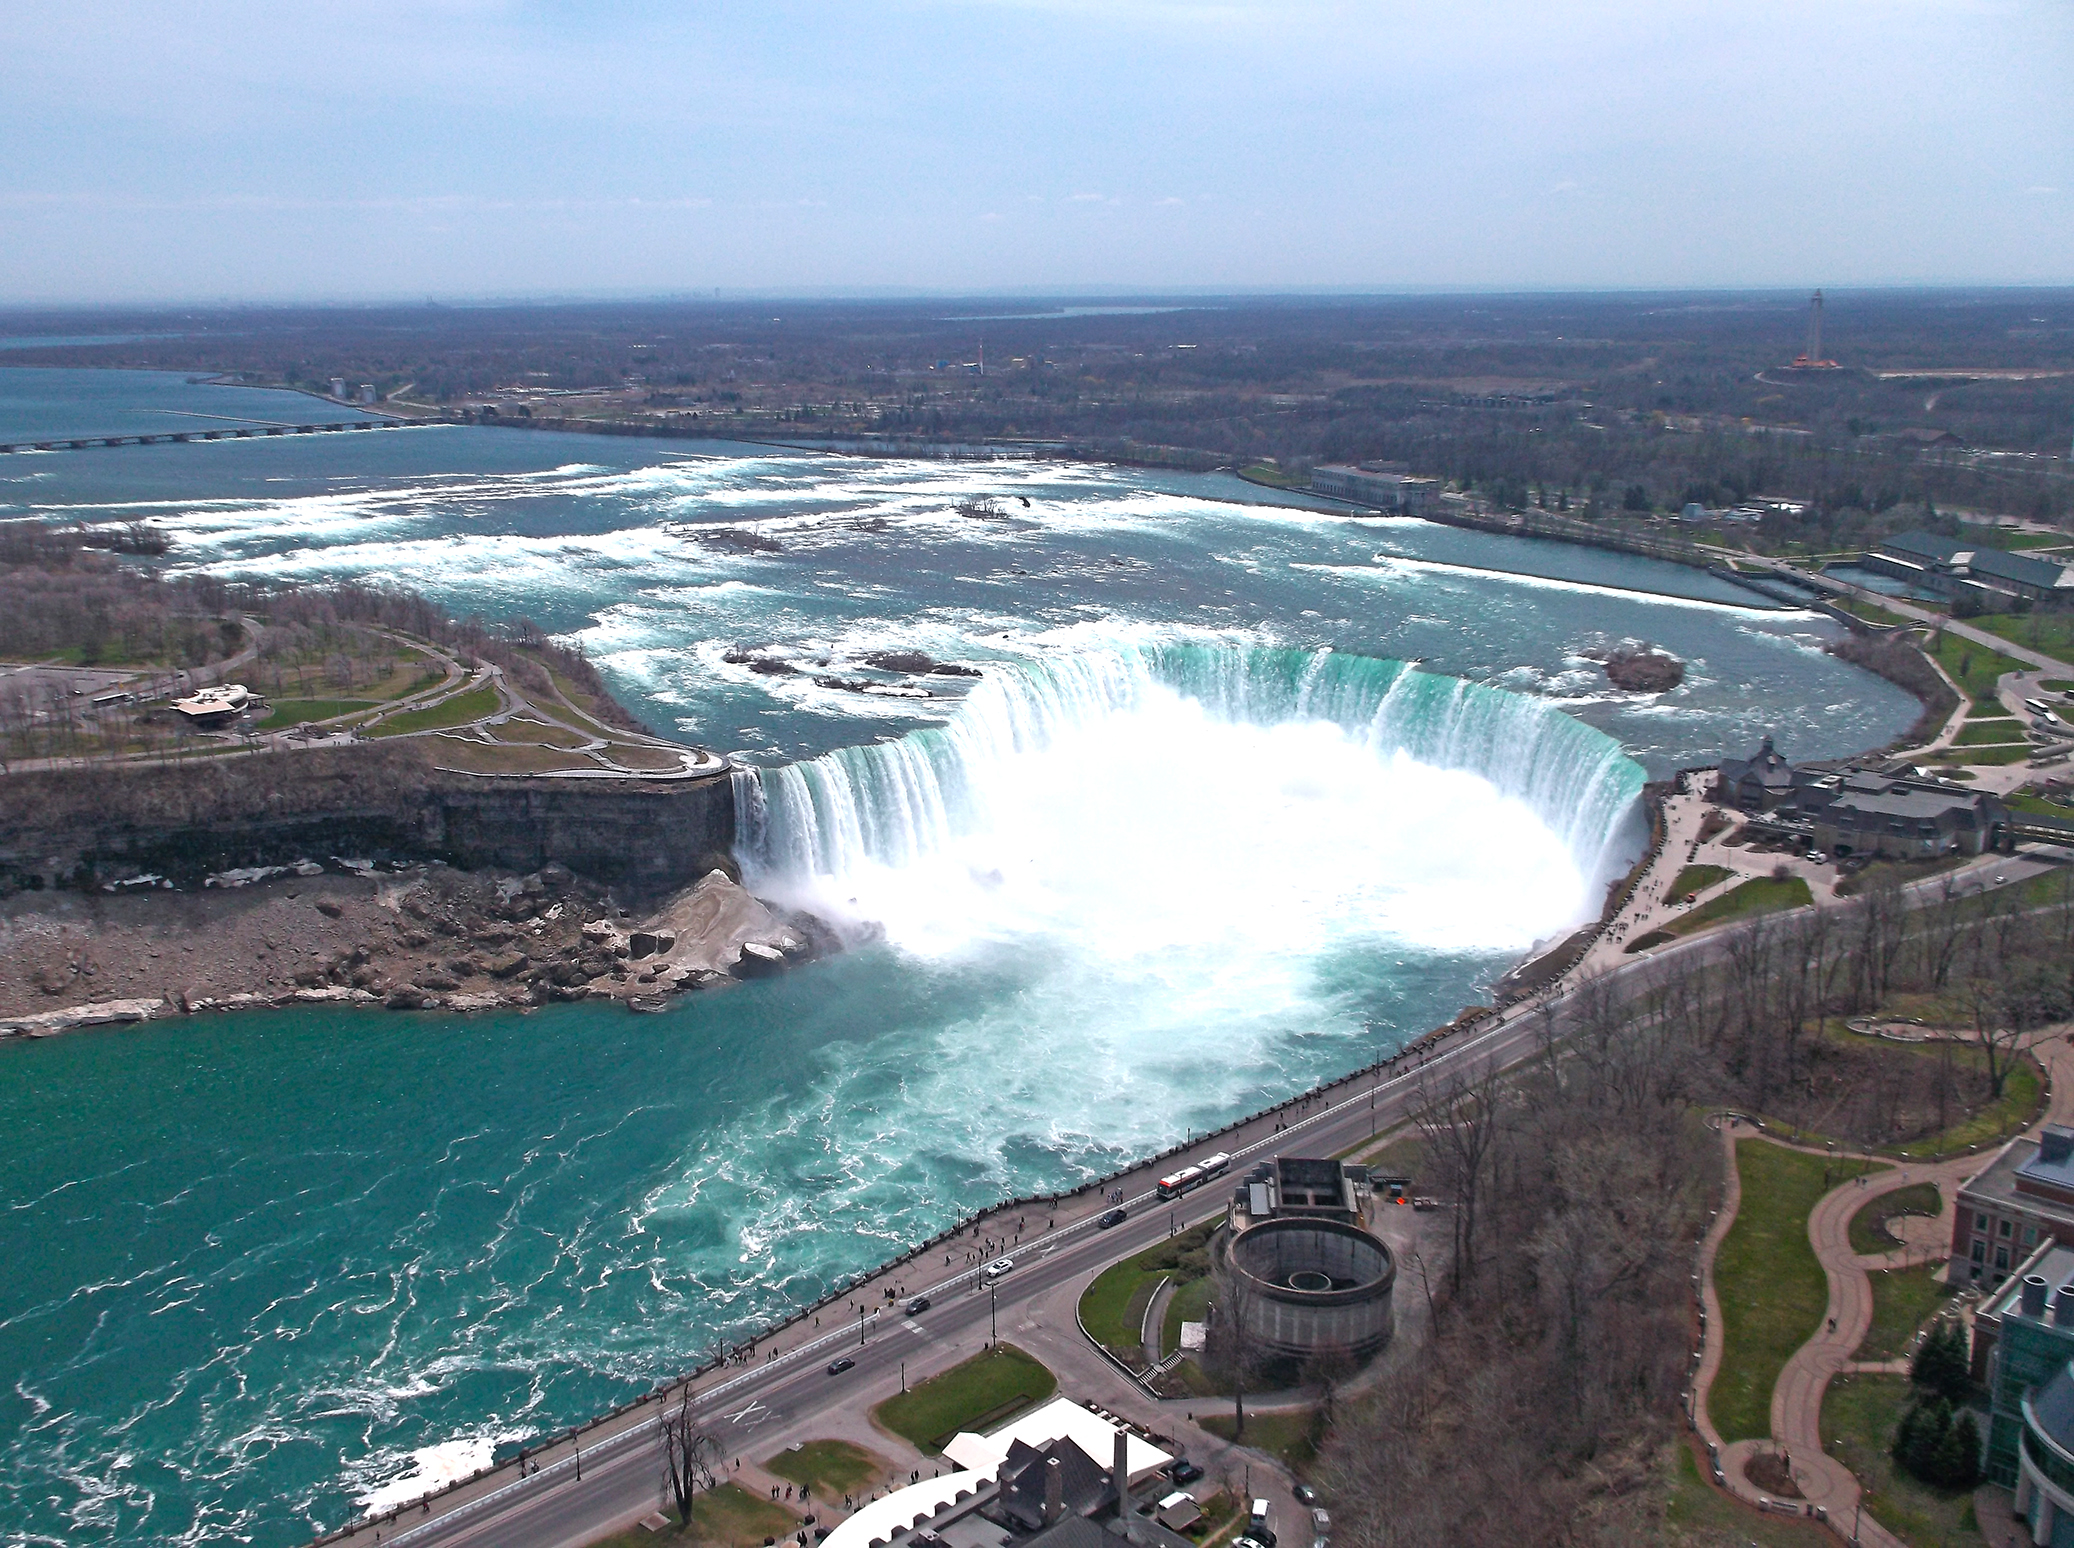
x=1093, y=294
x=517, y=148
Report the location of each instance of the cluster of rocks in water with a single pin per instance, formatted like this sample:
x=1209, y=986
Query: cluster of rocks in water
x=1644, y=671
x=910, y=663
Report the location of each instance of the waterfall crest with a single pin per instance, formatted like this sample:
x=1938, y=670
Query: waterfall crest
x=898, y=802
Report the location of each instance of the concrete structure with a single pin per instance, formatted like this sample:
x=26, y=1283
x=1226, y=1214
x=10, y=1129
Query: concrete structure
x=1041, y=1487
x=1386, y=489
x=2027, y=1328
x=2023, y=1196
x=1308, y=1277
x=1991, y=577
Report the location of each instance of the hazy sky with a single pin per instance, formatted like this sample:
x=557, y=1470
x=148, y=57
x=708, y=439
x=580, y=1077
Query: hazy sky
x=266, y=149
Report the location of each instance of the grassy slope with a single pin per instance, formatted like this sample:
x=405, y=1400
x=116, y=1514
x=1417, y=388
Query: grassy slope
x=457, y=711
x=1762, y=895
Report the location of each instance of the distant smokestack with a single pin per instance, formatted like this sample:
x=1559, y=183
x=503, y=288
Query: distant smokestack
x=2032, y=1303
x=1054, y=1491
x=1120, y=1468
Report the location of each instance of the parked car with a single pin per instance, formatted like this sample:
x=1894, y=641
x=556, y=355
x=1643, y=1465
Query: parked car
x=1321, y=1520
x=837, y=1367
x=1306, y=1495
x=997, y=1268
x=1184, y=1471
x=917, y=1305
x=1114, y=1217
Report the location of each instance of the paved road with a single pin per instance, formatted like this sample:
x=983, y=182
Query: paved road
x=553, y=1508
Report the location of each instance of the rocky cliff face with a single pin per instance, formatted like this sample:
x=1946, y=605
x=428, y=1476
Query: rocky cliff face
x=185, y=822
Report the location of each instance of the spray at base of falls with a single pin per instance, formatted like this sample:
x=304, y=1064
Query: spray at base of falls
x=1124, y=801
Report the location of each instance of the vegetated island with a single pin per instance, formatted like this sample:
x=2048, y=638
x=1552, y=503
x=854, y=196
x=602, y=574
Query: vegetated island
x=408, y=811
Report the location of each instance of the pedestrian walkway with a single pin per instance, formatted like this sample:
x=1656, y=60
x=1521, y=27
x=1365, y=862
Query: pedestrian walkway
x=1796, y=1408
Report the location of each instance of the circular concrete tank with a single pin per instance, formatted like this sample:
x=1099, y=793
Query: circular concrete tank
x=1310, y=1287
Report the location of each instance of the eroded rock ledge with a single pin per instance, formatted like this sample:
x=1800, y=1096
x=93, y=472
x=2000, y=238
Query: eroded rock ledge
x=426, y=938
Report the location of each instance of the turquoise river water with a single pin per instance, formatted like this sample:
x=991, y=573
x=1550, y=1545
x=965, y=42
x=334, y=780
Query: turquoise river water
x=1200, y=835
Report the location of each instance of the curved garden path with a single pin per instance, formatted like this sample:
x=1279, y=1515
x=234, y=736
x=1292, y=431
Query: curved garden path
x=1796, y=1410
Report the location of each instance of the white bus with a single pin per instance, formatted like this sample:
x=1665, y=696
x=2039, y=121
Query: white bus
x=1173, y=1185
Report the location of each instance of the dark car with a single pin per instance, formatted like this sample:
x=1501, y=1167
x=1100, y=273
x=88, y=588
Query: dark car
x=1114, y=1217
x=1184, y=1472
x=837, y=1367
x=1306, y=1495
x=918, y=1305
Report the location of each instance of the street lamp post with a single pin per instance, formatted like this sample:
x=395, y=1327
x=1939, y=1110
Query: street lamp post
x=993, y=1327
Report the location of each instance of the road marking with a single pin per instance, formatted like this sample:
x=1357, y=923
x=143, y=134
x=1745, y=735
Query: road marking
x=754, y=1414
x=915, y=1328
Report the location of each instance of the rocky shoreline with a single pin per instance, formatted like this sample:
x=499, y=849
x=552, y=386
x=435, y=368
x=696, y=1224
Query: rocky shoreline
x=425, y=937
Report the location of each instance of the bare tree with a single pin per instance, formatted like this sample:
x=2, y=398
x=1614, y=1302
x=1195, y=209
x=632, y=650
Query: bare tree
x=691, y=1457
x=1231, y=1348
x=1459, y=1120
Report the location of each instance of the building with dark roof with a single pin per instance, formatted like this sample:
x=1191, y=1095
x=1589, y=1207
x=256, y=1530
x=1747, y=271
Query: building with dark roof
x=1855, y=811
x=1756, y=783
x=1991, y=576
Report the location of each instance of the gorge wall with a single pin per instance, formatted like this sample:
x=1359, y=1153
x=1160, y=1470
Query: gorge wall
x=185, y=821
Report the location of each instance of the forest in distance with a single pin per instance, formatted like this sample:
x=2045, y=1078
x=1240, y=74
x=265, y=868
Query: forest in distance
x=1619, y=404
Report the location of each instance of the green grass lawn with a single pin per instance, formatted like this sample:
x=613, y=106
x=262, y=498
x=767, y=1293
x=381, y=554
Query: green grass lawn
x=726, y=1517
x=293, y=712
x=1990, y=733
x=828, y=1468
x=2022, y=801
x=1188, y=1304
x=1867, y=1235
x=1762, y=895
x=978, y=1394
x=1112, y=1308
x=1280, y=478
x=1902, y=1301
x=1974, y=668
x=2050, y=634
x=1697, y=878
x=457, y=711
x=1773, y=1295
x=1984, y=757
x=1291, y=1436
x=1859, y=1417
x=1701, y=1513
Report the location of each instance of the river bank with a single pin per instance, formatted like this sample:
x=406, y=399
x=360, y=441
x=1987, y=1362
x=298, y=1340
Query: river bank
x=425, y=937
